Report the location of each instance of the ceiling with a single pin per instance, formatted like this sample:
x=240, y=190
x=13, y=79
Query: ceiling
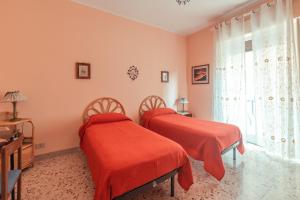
x=167, y=14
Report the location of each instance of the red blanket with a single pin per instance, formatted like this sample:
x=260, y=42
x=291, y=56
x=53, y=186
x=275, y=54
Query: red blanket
x=123, y=155
x=203, y=140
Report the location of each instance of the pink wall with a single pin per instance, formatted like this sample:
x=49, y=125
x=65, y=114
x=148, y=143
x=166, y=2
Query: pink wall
x=200, y=51
x=297, y=7
x=42, y=40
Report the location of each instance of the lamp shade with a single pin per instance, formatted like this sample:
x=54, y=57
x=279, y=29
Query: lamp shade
x=13, y=96
x=183, y=100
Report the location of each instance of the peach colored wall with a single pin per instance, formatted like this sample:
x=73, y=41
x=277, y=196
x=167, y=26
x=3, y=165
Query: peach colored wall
x=200, y=50
x=297, y=7
x=42, y=40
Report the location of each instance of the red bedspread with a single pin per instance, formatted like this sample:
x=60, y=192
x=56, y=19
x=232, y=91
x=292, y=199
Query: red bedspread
x=123, y=155
x=203, y=140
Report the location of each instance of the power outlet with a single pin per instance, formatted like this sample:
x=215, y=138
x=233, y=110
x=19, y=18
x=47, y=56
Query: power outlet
x=40, y=146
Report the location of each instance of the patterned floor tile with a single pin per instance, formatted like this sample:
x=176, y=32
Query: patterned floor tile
x=253, y=176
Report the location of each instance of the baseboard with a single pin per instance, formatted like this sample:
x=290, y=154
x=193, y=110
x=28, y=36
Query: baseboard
x=56, y=153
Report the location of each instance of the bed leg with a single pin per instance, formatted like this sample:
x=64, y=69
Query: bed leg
x=234, y=153
x=172, y=186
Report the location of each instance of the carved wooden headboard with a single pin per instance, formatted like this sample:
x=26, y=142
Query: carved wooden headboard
x=150, y=103
x=102, y=105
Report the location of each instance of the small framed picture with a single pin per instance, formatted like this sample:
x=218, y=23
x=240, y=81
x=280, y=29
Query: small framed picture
x=200, y=74
x=164, y=76
x=83, y=71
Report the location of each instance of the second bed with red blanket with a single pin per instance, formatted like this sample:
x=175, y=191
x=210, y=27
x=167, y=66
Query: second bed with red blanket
x=203, y=140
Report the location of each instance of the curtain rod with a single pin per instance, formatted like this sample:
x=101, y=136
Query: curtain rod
x=245, y=16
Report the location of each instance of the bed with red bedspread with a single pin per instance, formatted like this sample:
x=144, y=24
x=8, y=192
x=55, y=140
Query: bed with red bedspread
x=123, y=155
x=202, y=140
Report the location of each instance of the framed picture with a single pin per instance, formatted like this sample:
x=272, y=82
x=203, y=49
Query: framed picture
x=164, y=76
x=83, y=70
x=200, y=74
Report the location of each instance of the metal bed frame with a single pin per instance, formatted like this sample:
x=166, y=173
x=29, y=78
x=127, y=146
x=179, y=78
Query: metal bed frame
x=151, y=102
x=152, y=184
x=233, y=147
x=110, y=105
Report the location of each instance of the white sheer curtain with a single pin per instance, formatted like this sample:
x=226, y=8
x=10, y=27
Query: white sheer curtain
x=275, y=102
x=276, y=82
x=229, y=84
x=297, y=38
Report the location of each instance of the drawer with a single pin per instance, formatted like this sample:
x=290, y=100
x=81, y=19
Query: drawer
x=27, y=157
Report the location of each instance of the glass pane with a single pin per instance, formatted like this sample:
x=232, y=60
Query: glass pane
x=250, y=94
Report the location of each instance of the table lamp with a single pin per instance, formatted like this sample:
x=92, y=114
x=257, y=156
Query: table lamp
x=183, y=101
x=13, y=97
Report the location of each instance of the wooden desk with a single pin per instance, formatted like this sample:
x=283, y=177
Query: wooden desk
x=14, y=127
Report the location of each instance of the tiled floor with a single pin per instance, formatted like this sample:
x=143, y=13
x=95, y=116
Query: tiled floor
x=254, y=176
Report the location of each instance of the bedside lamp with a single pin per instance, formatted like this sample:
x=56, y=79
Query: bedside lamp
x=13, y=97
x=183, y=101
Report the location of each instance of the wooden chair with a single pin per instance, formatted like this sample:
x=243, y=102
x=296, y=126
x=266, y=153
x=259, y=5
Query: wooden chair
x=9, y=177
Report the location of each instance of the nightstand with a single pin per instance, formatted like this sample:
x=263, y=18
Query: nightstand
x=187, y=114
x=13, y=128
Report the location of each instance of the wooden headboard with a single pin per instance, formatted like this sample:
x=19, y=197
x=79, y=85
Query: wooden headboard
x=150, y=103
x=102, y=105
